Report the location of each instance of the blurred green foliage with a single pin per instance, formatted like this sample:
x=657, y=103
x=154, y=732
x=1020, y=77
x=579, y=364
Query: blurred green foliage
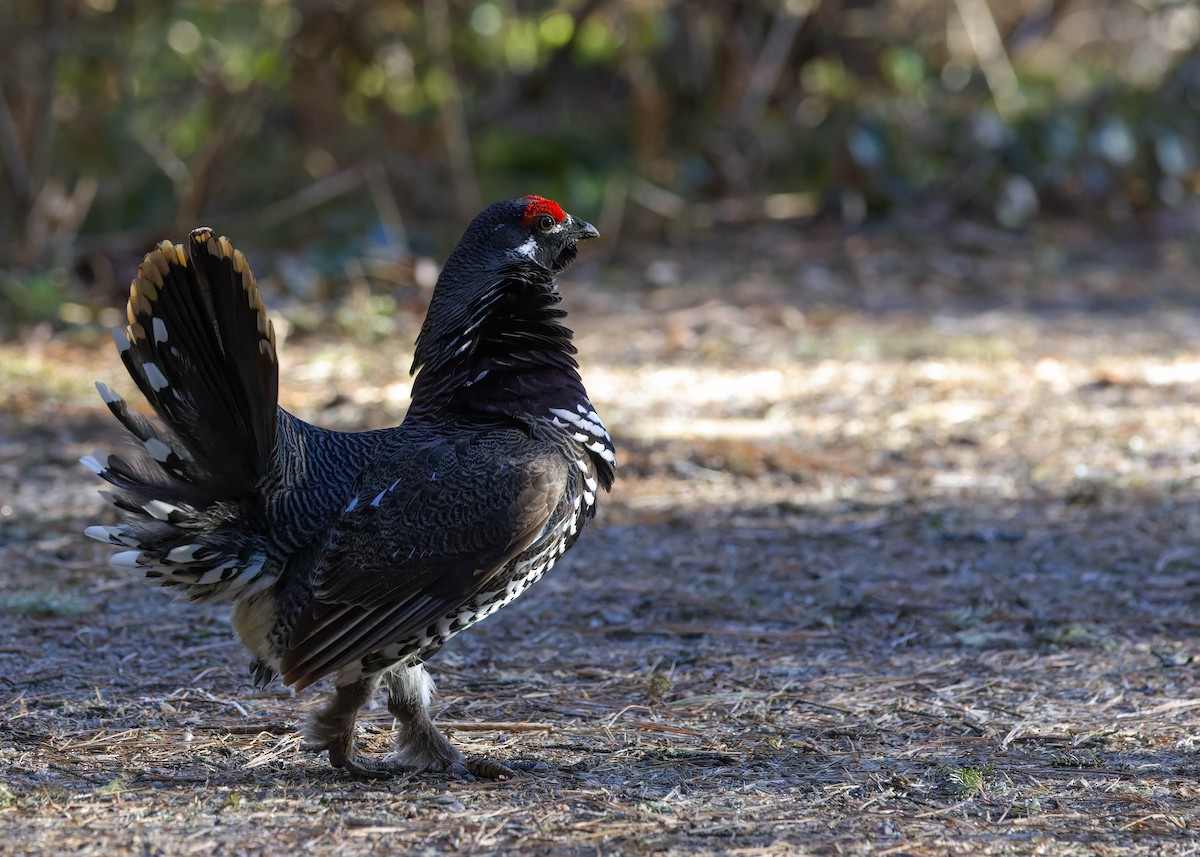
x=347, y=127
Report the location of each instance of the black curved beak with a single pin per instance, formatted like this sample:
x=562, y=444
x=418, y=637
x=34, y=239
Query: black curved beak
x=581, y=229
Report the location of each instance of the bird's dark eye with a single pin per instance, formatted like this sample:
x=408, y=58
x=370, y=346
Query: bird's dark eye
x=545, y=222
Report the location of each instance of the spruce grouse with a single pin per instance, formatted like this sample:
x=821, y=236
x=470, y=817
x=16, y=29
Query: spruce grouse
x=358, y=555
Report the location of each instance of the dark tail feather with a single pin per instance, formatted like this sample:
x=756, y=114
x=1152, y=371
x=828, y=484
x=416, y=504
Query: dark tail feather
x=201, y=349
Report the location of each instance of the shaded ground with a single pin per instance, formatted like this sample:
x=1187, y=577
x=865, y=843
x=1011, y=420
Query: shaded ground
x=902, y=560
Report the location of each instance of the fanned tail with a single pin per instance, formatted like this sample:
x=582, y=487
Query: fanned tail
x=201, y=349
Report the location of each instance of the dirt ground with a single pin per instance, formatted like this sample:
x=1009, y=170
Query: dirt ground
x=902, y=559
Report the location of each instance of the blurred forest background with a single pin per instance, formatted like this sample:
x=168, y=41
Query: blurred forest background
x=325, y=131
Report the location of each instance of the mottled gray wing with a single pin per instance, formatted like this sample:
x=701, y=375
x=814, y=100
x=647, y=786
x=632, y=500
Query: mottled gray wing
x=429, y=528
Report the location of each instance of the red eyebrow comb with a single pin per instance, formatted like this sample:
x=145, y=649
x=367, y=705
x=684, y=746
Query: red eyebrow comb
x=539, y=205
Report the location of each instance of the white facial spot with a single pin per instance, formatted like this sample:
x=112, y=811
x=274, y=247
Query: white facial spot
x=528, y=249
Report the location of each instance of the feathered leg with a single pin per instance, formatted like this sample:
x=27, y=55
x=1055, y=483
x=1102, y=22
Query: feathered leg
x=420, y=745
x=332, y=729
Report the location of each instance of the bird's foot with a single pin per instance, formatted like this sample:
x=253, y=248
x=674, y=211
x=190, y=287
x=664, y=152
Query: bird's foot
x=366, y=768
x=357, y=765
x=363, y=767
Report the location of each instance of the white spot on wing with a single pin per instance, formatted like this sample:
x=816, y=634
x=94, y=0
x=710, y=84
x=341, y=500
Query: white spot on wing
x=216, y=574
x=158, y=450
x=92, y=463
x=161, y=510
x=379, y=497
x=125, y=559
x=160, y=330
x=158, y=381
x=595, y=418
x=121, y=339
x=100, y=534
x=183, y=553
x=107, y=394
x=350, y=506
x=603, y=451
x=581, y=421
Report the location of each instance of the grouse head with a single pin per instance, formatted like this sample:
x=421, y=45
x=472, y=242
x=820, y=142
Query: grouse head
x=496, y=292
x=532, y=230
